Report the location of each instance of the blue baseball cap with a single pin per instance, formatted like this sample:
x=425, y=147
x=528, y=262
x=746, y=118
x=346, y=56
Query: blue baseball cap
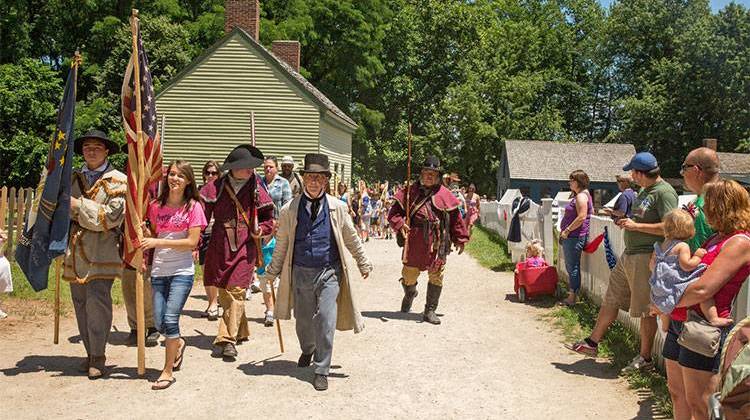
x=643, y=161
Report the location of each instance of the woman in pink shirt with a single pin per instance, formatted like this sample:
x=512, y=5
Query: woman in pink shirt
x=176, y=220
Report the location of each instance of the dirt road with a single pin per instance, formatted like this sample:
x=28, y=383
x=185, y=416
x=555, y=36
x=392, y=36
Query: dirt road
x=491, y=358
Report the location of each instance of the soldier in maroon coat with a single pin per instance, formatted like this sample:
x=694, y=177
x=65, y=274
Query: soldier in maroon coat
x=231, y=253
x=435, y=224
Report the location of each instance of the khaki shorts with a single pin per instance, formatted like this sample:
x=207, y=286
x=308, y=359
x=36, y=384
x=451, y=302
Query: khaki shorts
x=411, y=274
x=628, y=288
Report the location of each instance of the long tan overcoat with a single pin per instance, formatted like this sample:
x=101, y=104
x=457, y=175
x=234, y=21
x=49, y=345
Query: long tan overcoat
x=348, y=317
x=93, y=247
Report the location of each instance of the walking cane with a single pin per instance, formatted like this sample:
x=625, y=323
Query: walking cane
x=256, y=237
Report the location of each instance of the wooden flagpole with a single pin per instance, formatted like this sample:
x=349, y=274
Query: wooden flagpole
x=140, y=187
x=58, y=264
x=58, y=261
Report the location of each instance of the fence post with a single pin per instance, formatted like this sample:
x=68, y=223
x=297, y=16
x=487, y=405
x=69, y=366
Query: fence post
x=11, y=219
x=547, y=235
x=3, y=207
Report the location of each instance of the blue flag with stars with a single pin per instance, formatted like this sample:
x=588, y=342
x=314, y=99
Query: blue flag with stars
x=45, y=235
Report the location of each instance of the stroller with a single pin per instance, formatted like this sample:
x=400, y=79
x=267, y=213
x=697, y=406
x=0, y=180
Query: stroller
x=732, y=402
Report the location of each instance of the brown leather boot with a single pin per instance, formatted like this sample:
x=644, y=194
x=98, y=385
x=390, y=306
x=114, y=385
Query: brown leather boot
x=433, y=297
x=96, y=367
x=410, y=292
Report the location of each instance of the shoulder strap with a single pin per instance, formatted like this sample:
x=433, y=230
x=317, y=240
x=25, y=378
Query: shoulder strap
x=237, y=204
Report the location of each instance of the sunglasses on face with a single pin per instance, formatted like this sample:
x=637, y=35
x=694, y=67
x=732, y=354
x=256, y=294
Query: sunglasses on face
x=686, y=166
x=212, y=173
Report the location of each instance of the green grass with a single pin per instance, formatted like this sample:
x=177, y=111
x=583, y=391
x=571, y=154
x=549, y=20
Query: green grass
x=620, y=345
x=489, y=249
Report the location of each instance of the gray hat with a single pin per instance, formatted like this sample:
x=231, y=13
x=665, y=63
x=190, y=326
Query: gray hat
x=287, y=160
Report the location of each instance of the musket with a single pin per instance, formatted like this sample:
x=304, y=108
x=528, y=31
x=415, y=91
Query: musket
x=408, y=199
x=256, y=226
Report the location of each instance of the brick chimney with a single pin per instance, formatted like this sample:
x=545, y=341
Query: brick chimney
x=288, y=51
x=711, y=143
x=244, y=14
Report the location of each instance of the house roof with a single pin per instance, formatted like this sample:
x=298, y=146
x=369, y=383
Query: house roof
x=550, y=160
x=734, y=163
x=297, y=79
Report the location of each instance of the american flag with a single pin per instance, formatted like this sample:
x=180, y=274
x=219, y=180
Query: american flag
x=151, y=173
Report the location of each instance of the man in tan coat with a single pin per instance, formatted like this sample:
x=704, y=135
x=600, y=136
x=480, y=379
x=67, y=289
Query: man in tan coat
x=314, y=229
x=92, y=260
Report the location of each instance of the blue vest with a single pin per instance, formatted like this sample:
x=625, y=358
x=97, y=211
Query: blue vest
x=314, y=243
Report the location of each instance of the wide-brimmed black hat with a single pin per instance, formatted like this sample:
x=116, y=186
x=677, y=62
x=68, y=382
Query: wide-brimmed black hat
x=94, y=134
x=316, y=163
x=432, y=163
x=243, y=156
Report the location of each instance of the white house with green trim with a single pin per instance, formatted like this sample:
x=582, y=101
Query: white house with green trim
x=208, y=105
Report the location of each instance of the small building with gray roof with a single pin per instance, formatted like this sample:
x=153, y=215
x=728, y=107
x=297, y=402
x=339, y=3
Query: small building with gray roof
x=542, y=168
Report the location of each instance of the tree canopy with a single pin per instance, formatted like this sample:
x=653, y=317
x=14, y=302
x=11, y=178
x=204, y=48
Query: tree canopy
x=467, y=74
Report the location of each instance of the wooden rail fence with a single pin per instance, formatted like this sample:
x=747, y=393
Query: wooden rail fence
x=14, y=206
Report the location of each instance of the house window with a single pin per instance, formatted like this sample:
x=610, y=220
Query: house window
x=336, y=167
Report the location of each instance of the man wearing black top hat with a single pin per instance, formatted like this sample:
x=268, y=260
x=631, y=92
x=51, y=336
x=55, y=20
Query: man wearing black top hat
x=92, y=260
x=434, y=224
x=314, y=228
x=233, y=200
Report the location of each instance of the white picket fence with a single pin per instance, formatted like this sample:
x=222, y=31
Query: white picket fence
x=594, y=268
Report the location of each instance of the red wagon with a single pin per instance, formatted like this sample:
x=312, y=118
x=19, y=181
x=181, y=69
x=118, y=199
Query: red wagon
x=535, y=281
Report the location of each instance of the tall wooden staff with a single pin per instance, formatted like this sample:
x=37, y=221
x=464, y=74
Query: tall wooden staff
x=140, y=187
x=256, y=237
x=408, y=199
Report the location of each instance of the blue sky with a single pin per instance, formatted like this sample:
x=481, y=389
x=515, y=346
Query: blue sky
x=715, y=4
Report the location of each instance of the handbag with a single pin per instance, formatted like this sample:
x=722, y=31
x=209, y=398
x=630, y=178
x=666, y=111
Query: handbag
x=699, y=336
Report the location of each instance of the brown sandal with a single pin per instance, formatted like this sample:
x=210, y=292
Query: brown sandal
x=168, y=382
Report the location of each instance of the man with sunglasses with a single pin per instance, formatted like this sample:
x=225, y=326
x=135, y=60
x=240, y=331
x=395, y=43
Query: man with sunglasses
x=314, y=229
x=701, y=166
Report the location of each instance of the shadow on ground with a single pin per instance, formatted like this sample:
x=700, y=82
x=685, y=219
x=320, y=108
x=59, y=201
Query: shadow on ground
x=68, y=366
x=288, y=368
x=588, y=367
x=385, y=316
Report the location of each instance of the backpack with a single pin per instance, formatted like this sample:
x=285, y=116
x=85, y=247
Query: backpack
x=734, y=388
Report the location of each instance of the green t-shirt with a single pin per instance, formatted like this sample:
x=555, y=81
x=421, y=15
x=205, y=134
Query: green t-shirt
x=650, y=206
x=702, y=230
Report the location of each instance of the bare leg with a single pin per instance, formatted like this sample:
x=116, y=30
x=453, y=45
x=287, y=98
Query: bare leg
x=607, y=315
x=173, y=346
x=664, y=322
x=680, y=407
x=699, y=385
x=647, y=333
x=212, y=293
x=708, y=307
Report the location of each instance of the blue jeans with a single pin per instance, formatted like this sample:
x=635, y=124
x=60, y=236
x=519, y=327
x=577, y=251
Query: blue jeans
x=170, y=294
x=572, y=248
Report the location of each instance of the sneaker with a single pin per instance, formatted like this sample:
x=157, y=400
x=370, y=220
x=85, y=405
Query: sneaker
x=248, y=293
x=268, y=322
x=255, y=287
x=583, y=348
x=638, y=363
x=152, y=337
x=3, y=315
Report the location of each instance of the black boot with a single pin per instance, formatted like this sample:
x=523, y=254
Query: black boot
x=433, y=297
x=410, y=292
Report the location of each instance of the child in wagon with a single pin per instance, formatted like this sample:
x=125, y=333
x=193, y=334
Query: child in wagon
x=534, y=256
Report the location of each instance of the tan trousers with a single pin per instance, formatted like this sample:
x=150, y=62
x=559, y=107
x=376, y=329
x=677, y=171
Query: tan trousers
x=128, y=294
x=233, y=324
x=411, y=274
